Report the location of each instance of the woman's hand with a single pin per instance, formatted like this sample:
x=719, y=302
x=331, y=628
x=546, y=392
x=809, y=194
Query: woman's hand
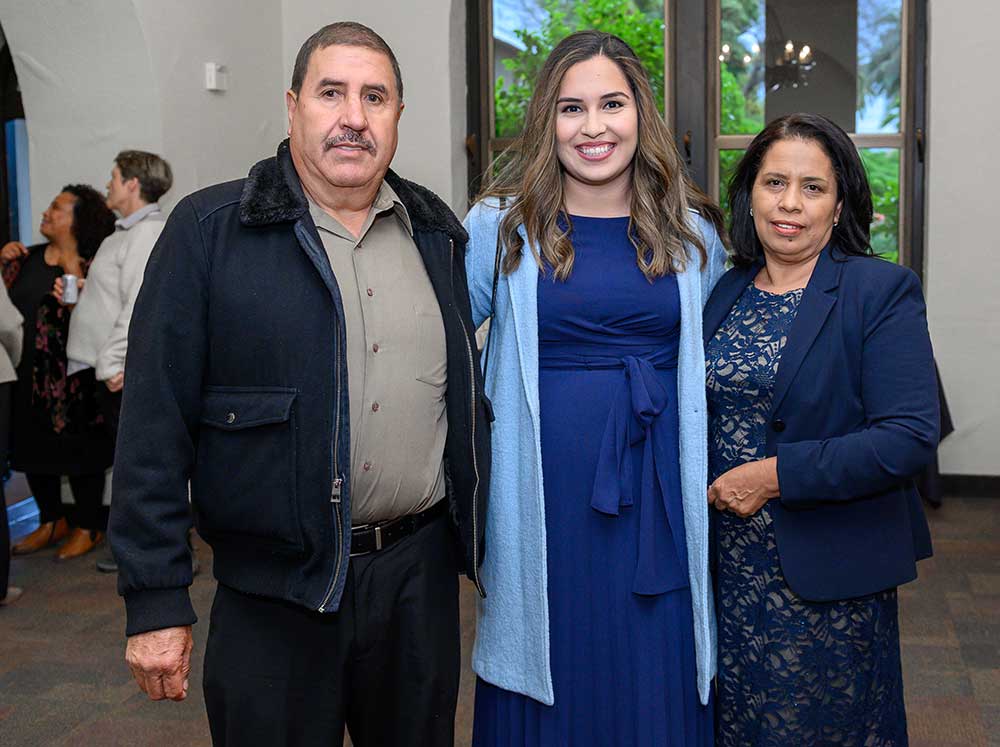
x=115, y=383
x=58, y=287
x=12, y=250
x=745, y=489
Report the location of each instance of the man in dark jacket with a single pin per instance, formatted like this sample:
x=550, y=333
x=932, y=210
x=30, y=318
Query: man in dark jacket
x=302, y=351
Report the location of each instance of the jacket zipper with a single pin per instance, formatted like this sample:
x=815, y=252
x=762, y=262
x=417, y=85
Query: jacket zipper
x=338, y=481
x=475, y=461
x=338, y=485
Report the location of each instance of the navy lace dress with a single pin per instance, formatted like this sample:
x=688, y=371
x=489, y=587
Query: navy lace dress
x=791, y=672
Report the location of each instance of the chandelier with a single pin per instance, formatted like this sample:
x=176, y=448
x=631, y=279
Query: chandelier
x=791, y=68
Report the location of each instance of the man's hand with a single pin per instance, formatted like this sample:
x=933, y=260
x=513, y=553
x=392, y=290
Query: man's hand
x=114, y=384
x=13, y=250
x=745, y=489
x=160, y=661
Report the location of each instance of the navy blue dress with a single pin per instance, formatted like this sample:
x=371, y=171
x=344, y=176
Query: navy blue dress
x=620, y=620
x=791, y=672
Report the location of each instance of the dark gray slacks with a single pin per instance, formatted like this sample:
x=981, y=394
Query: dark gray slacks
x=386, y=665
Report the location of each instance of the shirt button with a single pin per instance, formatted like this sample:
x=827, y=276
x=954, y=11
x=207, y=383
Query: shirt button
x=374, y=406
x=375, y=348
x=370, y=293
x=366, y=466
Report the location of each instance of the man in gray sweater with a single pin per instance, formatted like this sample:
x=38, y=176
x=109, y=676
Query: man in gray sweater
x=98, y=330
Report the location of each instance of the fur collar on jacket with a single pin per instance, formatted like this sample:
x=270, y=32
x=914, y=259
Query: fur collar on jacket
x=273, y=194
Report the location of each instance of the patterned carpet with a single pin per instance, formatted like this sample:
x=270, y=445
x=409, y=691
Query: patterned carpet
x=63, y=680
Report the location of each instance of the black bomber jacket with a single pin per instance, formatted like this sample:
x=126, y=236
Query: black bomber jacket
x=236, y=382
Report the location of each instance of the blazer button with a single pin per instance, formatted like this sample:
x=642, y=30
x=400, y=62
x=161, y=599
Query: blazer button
x=231, y=418
x=778, y=425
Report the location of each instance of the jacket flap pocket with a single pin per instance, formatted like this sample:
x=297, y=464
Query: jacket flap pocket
x=234, y=408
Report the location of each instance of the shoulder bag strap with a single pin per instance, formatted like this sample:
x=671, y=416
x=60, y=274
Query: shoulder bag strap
x=493, y=294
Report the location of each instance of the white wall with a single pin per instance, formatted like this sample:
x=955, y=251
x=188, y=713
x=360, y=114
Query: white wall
x=963, y=251
x=87, y=86
x=210, y=136
x=428, y=39
x=99, y=77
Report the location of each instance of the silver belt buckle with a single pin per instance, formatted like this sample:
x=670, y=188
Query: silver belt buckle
x=378, y=537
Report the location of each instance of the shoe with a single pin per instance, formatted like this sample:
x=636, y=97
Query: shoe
x=46, y=535
x=13, y=594
x=80, y=542
x=106, y=563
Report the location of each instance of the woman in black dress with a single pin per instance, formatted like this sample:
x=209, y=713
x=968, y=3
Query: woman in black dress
x=57, y=429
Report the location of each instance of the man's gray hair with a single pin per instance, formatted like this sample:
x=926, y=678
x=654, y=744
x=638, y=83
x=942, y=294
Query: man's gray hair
x=347, y=34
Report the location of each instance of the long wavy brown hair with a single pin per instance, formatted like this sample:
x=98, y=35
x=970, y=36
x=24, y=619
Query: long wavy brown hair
x=661, y=192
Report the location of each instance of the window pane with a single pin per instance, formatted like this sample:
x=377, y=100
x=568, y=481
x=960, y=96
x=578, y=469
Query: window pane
x=839, y=58
x=728, y=160
x=525, y=31
x=880, y=43
x=741, y=85
x=882, y=165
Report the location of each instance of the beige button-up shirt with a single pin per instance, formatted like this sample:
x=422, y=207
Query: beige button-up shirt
x=396, y=362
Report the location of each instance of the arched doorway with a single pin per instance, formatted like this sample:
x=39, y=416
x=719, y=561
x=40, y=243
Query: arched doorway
x=87, y=86
x=13, y=153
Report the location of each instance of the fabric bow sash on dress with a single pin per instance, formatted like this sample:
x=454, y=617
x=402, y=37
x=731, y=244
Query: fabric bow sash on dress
x=634, y=418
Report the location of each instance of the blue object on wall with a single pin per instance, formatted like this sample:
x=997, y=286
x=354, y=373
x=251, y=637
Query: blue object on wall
x=18, y=185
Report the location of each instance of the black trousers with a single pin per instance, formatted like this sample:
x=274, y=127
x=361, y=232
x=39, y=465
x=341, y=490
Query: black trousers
x=386, y=665
x=88, y=511
x=110, y=404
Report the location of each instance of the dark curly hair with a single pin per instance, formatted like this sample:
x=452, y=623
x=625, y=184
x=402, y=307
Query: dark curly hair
x=852, y=235
x=92, y=220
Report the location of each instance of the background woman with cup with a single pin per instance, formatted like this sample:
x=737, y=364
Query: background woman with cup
x=56, y=426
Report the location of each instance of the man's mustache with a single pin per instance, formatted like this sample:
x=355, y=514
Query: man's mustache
x=352, y=137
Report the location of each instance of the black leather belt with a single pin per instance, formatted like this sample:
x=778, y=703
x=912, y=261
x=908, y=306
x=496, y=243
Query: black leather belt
x=369, y=538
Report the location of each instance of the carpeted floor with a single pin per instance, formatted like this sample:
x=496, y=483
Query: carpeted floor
x=63, y=680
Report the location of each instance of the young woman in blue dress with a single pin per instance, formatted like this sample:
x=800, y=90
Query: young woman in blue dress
x=595, y=254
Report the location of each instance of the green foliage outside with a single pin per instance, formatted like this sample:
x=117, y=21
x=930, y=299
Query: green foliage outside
x=728, y=160
x=741, y=100
x=738, y=115
x=641, y=28
x=882, y=165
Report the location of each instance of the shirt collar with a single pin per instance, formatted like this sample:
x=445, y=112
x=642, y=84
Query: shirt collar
x=130, y=220
x=386, y=200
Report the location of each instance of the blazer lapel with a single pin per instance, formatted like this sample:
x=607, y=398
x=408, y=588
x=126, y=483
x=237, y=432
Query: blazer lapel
x=817, y=300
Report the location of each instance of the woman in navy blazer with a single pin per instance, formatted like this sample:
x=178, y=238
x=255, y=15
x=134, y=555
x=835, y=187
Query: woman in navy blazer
x=812, y=461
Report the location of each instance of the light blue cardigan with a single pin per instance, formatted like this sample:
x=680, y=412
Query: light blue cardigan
x=512, y=634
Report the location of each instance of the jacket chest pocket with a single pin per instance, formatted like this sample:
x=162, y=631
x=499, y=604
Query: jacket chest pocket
x=244, y=481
